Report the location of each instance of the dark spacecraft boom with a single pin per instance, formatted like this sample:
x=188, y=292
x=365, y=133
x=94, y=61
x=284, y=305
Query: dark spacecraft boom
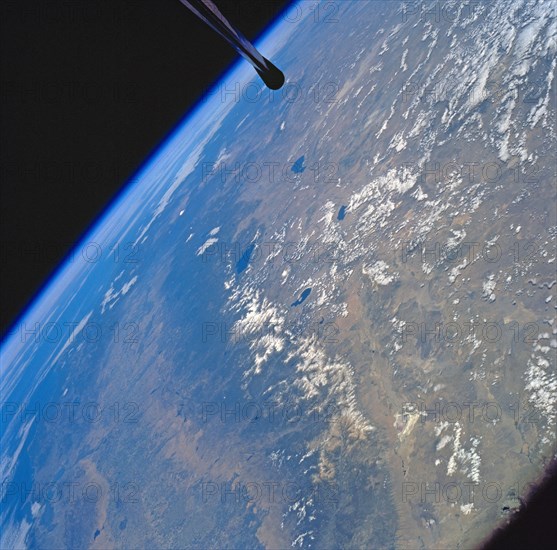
x=208, y=12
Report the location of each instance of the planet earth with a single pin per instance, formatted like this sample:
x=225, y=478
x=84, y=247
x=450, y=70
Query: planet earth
x=317, y=317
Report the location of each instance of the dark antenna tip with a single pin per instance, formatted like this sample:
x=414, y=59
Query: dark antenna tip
x=273, y=76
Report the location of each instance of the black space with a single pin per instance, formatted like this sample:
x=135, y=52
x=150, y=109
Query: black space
x=88, y=89
x=534, y=526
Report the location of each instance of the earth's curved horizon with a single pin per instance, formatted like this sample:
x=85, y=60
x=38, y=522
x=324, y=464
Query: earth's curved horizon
x=318, y=317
